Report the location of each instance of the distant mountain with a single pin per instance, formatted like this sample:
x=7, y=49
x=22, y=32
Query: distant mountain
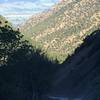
x=62, y=29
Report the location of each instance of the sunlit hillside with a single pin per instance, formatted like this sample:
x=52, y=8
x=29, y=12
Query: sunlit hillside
x=61, y=30
x=3, y=21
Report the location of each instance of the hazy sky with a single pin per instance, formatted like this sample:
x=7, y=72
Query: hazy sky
x=17, y=10
x=24, y=6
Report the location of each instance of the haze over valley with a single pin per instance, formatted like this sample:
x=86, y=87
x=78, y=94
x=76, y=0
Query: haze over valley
x=17, y=11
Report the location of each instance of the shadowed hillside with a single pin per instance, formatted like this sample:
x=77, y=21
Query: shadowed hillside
x=58, y=33
x=25, y=73
x=79, y=75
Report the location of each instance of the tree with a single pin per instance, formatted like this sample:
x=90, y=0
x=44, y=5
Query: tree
x=15, y=52
x=27, y=71
x=10, y=40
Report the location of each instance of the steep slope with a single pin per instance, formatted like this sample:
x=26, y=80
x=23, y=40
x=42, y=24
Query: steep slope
x=39, y=17
x=79, y=75
x=62, y=31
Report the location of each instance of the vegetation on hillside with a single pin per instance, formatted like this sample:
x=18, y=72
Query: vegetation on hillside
x=63, y=30
x=25, y=73
x=4, y=22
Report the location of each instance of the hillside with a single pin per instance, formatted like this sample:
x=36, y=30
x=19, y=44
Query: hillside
x=59, y=32
x=39, y=17
x=4, y=22
x=79, y=75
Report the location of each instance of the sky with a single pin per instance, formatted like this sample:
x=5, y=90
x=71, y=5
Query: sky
x=17, y=11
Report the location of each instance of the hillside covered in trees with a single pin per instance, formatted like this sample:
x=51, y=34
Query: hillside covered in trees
x=62, y=29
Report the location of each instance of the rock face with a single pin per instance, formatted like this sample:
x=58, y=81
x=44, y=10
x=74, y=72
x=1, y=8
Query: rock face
x=59, y=31
x=79, y=75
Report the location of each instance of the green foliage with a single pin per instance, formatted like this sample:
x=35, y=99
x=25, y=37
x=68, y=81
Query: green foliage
x=10, y=40
x=23, y=69
x=4, y=22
